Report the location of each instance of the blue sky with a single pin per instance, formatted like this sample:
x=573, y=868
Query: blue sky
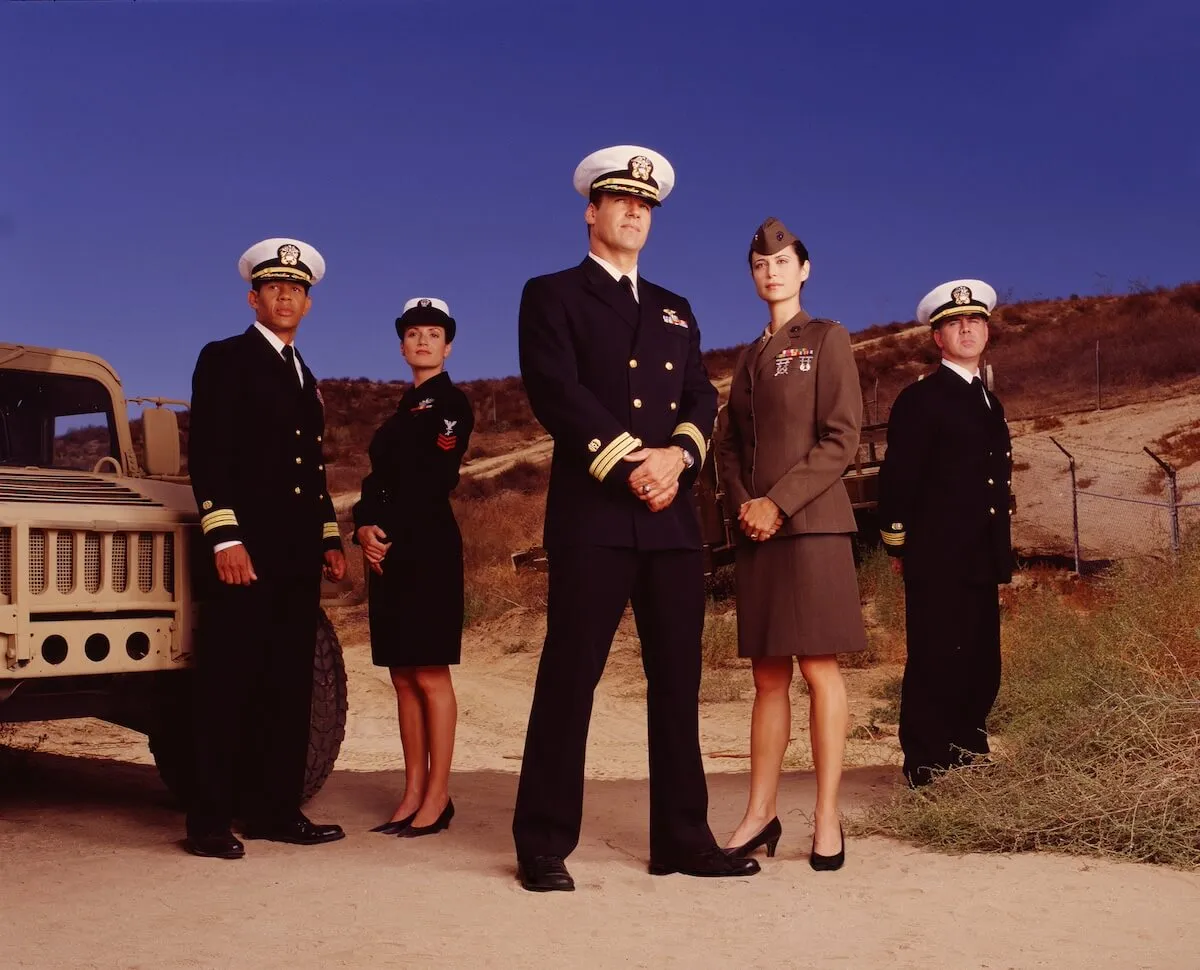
x=426, y=148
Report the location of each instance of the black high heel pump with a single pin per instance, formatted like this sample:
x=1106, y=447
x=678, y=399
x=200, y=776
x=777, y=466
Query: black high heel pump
x=394, y=828
x=828, y=863
x=769, y=837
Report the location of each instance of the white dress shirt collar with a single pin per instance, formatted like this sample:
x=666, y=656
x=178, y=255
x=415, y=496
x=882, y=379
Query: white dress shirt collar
x=278, y=344
x=967, y=376
x=616, y=274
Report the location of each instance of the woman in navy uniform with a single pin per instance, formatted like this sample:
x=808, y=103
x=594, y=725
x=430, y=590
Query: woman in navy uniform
x=408, y=533
x=790, y=429
x=944, y=501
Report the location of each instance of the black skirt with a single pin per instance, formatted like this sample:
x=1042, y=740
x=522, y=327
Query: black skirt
x=416, y=606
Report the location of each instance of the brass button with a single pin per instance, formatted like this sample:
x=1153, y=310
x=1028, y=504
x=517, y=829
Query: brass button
x=297, y=489
x=670, y=366
x=300, y=461
x=322, y=496
x=320, y=468
x=637, y=402
x=633, y=363
x=990, y=511
x=297, y=431
x=1008, y=454
x=990, y=482
x=674, y=405
x=318, y=436
x=1010, y=481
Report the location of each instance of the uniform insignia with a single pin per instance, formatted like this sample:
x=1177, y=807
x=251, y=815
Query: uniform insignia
x=794, y=329
x=961, y=295
x=594, y=445
x=803, y=356
x=424, y=303
x=674, y=319
x=897, y=526
x=423, y=405
x=206, y=505
x=640, y=167
x=779, y=236
x=449, y=425
x=289, y=255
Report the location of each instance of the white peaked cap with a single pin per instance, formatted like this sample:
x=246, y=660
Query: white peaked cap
x=626, y=170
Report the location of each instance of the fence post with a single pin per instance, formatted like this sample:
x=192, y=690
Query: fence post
x=1074, y=503
x=1172, y=499
x=1097, y=375
x=875, y=403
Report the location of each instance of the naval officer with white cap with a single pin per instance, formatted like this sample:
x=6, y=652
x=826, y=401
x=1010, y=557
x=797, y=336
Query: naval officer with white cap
x=258, y=474
x=611, y=363
x=944, y=506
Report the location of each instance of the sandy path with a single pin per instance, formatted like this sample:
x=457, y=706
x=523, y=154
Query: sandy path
x=92, y=875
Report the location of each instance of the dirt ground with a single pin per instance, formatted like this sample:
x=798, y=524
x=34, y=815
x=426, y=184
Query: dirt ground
x=92, y=874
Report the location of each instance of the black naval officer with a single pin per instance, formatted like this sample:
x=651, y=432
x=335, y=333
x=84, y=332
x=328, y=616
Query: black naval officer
x=944, y=502
x=406, y=527
x=258, y=474
x=611, y=363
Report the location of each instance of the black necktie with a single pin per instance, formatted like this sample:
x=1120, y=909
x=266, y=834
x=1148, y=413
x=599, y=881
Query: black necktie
x=977, y=383
x=289, y=355
x=627, y=287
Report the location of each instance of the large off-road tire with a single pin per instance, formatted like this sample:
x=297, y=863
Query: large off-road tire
x=171, y=739
x=327, y=727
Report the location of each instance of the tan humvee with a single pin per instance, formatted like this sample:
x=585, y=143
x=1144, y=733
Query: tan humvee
x=98, y=596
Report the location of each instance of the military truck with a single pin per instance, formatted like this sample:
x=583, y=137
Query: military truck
x=102, y=566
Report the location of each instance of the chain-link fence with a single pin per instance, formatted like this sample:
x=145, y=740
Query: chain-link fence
x=1095, y=492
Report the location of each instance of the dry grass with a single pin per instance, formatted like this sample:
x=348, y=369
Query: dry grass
x=1098, y=725
x=493, y=528
x=882, y=592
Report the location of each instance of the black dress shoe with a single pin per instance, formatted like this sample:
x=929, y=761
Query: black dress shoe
x=769, y=837
x=215, y=845
x=545, y=874
x=299, y=831
x=399, y=825
x=443, y=822
x=712, y=862
x=828, y=863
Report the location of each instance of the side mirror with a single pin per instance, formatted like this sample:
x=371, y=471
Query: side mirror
x=160, y=427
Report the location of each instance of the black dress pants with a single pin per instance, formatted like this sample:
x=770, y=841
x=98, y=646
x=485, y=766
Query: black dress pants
x=952, y=674
x=589, y=588
x=253, y=699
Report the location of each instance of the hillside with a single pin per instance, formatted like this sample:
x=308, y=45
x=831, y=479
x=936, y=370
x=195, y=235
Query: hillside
x=1043, y=358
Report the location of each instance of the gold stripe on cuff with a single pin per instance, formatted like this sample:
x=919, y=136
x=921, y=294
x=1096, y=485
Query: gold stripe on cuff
x=620, y=441
x=218, y=519
x=892, y=538
x=615, y=458
x=330, y=531
x=694, y=433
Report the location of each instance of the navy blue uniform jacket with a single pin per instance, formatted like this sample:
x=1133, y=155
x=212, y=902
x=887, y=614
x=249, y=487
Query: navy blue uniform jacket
x=605, y=378
x=945, y=483
x=255, y=456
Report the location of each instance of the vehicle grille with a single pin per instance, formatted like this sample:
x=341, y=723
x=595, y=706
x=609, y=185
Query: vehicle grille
x=69, y=489
x=83, y=567
x=6, y=562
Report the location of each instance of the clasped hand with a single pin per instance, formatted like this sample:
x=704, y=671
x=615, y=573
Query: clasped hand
x=760, y=518
x=235, y=568
x=374, y=545
x=656, y=479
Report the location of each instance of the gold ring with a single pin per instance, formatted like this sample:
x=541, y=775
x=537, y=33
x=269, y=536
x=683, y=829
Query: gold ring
x=645, y=489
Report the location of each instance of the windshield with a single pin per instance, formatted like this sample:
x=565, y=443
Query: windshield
x=54, y=420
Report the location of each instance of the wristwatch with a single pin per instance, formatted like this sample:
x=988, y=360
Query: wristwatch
x=688, y=460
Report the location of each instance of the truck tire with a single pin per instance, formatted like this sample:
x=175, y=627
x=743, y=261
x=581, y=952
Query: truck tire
x=171, y=741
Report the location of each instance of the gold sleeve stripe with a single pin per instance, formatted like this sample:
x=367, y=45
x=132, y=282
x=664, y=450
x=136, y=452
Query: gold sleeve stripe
x=620, y=441
x=892, y=538
x=330, y=531
x=615, y=458
x=218, y=519
x=692, y=432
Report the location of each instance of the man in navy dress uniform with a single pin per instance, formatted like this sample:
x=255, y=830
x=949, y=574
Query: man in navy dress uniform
x=944, y=501
x=258, y=474
x=611, y=363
